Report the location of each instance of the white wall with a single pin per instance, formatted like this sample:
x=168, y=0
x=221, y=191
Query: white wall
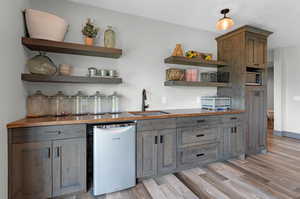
x=270, y=89
x=286, y=89
x=12, y=98
x=145, y=43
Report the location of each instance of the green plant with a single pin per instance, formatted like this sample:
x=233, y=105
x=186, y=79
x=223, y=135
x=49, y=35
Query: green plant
x=90, y=30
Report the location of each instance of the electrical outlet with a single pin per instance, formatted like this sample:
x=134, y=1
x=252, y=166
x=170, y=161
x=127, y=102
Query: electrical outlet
x=163, y=100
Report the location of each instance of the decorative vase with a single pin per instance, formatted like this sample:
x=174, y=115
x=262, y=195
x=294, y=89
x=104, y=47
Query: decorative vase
x=109, y=38
x=89, y=41
x=178, y=50
x=41, y=65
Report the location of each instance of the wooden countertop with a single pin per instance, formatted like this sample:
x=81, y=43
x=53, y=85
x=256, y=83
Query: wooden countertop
x=126, y=116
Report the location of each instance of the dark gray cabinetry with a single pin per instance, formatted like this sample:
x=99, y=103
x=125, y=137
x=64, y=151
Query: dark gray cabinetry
x=47, y=161
x=256, y=129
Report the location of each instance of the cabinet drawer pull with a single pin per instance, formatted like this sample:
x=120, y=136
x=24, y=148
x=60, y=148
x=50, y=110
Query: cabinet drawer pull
x=57, y=152
x=200, y=154
x=161, y=139
x=155, y=140
x=233, y=118
x=200, y=135
x=49, y=153
x=200, y=121
x=53, y=132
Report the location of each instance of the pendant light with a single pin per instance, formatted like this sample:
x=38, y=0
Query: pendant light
x=226, y=22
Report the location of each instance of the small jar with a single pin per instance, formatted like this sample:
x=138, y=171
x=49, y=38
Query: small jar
x=109, y=38
x=96, y=103
x=59, y=104
x=115, y=102
x=79, y=104
x=37, y=105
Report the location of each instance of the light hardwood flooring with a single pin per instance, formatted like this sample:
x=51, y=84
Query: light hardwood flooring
x=264, y=176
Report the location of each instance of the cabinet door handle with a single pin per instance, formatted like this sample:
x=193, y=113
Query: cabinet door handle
x=54, y=132
x=235, y=129
x=200, y=154
x=200, y=121
x=200, y=135
x=161, y=139
x=155, y=140
x=233, y=118
x=49, y=152
x=57, y=152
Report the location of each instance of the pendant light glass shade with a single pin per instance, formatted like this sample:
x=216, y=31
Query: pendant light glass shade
x=225, y=23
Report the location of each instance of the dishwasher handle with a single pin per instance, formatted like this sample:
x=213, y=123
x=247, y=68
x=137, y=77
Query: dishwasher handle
x=115, y=130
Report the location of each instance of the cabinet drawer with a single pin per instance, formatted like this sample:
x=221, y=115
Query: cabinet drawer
x=232, y=118
x=196, y=135
x=157, y=124
x=198, y=155
x=21, y=135
x=198, y=121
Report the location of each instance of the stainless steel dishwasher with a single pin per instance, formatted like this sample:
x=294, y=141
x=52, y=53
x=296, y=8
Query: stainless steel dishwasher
x=114, y=155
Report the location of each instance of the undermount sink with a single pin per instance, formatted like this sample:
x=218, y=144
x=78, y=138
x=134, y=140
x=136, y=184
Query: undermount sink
x=149, y=113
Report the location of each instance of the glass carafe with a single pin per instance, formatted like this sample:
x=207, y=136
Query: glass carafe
x=96, y=103
x=59, y=104
x=115, y=102
x=79, y=104
x=37, y=105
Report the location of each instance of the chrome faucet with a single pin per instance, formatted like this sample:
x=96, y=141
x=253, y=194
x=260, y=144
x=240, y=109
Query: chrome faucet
x=144, y=98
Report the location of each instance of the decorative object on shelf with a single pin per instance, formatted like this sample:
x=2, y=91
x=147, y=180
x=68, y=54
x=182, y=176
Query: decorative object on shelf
x=90, y=31
x=216, y=103
x=92, y=72
x=191, y=75
x=225, y=23
x=115, y=102
x=65, y=69
x=223, y=76
x=60, y=104
x=194, y=62
x=175, y=74
x=109, y=38
x=37, y=105
x=43, y=25
x=103, y=72
x=79, y=103
x=112, y=73
x=178, y=51
x=209, y=77
x=192, y=54
x=96, y=103
x=42, y=65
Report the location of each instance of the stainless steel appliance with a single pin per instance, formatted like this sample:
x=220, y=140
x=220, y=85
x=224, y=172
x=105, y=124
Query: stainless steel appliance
x=114, y=166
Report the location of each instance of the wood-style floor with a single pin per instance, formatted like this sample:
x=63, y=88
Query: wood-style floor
x=265, y=176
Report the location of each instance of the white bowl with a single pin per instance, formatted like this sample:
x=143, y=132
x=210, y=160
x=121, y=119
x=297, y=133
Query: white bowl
x=43, y=25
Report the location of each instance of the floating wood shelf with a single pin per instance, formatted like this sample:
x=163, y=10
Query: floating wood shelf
x=195, y=84
x=70, y=79
x=194, y=61
x=70, y=48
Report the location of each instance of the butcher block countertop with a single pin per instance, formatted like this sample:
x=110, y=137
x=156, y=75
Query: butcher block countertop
x=125, y=116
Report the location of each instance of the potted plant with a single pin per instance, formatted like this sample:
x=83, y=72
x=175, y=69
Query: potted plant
x=90, y=31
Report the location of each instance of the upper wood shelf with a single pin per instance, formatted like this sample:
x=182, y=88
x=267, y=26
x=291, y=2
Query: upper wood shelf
x=193, y=61
x=70, y=48
x=197, y=84
x=70, y=79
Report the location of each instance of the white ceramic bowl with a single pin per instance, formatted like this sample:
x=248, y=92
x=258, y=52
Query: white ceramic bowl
x=43, y=25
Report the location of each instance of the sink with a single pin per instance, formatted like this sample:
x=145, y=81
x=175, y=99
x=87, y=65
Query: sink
x=149, y=113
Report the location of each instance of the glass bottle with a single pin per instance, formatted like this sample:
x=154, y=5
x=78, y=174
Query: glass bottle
x=109, y=38
x=95, y=103
x=37, y=105
x=115, y=102
x=79, y=104
x=59, y=104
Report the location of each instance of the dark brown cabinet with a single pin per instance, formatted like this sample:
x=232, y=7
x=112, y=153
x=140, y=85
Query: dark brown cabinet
x=45, y=162
x=69, y=166
x=256, y=51
x=31, y=170
x=256, y=130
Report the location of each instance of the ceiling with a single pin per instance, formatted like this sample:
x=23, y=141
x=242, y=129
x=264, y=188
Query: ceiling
x=280, y=17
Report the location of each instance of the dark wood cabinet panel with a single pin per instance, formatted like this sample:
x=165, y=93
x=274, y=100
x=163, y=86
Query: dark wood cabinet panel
x=256, y=51
x=31, y=170
x=69, y=166
x=167, y=151
x=147, y=142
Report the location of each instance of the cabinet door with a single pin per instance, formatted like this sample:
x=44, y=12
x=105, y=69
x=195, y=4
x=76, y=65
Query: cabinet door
x=256, y=52
x=31, y=170
x=250, y=51
x=147, y=142
x=167, y=151
x=228, y=146
x=256, y=120
x=69, y=166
